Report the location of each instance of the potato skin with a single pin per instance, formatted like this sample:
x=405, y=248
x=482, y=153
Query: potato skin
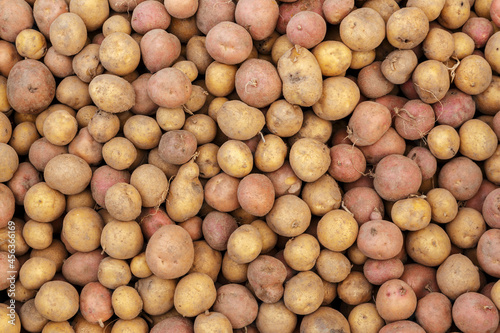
x=237, y=303
x=170, y=252
x=259, y=16
x=112, y=93
x=473, y=311
x=301, y=75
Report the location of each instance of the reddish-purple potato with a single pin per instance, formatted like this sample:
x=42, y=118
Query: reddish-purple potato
x=306, y=28
x=362, y=202
x=103, y=178
x=143, y=104
x=479, y=29
x=149, y=15
x=25, y=176
x=256, y=194
x=461, y=176
x=285, y=181
x=159, y=49
x=212, y=12
x=414, y=120
x=395, y=300
x=290, y=8
x=455, y=108
x=379, y=271
x=433, y=312
x=348, y=163
x=488, y=255
x=152, y=219
x=81, y=268
x=42, y=151
x=390, y=143
x=372, y=82
x=336, y=10
x=221, y=192
x=406, y=326
x=380, y=239
x=229, y=43
x=425, y=161
x=95, y=303
x=177, y=146
x=258, y=16
x=363, y=132
x=216, y=228
x=169, y=88
x=420, y=278
x=477, y=200
x=175, y=324
x=491, y=209
x=474, y=312
x=237, y=303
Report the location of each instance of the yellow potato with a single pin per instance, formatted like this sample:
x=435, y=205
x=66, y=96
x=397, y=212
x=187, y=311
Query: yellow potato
x=194, y=294
x=126, y=302
x=340, y=97
x=334, y=57
x=411, y=214
x=31, y=44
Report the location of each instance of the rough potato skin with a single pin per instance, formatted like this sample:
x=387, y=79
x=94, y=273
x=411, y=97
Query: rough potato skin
x=112, y=93
x=31, y=87
x=396, y=177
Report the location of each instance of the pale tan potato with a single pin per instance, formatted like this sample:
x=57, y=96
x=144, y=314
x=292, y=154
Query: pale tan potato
x=244, y=244
x=112, y=93
x=431, y=80
x=290, y=216
x=443, y=141
x=411, y=213
x=365, y=318
x=116, y=23
x=309, y=159
x=93, y=13
x=119, y=53
x=194, y=294
x=31, y=44
x=454, y=14
x=340, y=97
x=322, y=195
x=38, y=235
x=239, y=121
x=444, y=206
x=57, y=301
x=44, y=204
x=363, y=29
x=68, y=34
x=301, y=75
x=284, y=119
x=438, y=45
x=429, y=246
x=477, y=140
x=23, y=136
x=82, y=227
x=355, y=289
x=122, y=240
x=333, y=266
x=473, y=75
x=60, y=127
x=113, y=273
x=68, y=174
x=301, y=252
x=270, y=153
x=235, y=158
x=36, y=271
x=466, y=228
x=139, y=267
x=303, y=293
x=431, y=8
x=464, y=45
x=398, y=66
x=334, y=57
x=220, y=78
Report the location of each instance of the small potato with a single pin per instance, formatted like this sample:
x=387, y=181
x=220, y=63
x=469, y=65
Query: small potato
x=212, y=321
x=95, y=303
x=232, y=271
x=334, y=57
x=454, y=14
x=123, y=201
x=284, y=119
x=93, y=14
x=477, y=140
x=371, y=81
x=369, y=29
x=425, y=161
x=355, y=289
x=151, y=183
x=444, y=206
x=301, y=252
x=443, y=141
x=361, y=59
x=325, y=317
x=119, y=53
x=313, y=127
x=197, y=53
x=122, y=240
x=24, y=177
x=220, y=78
x=290, y=216
x=202, y=126
x=365, y=318
x=257, y=83
x=395, y=300
x=299, y=69
x=429, y=246
x=237, y=303
x=270, y=153
x=31, y=44
x=398, y=66
x=67, y=173
x=348, y=163
x=157, y=294
x=378, y=272
x=461, y=176
x=81, y=267
x=235, y=158
x=473, y=75
x=119, y=153
x=38, y=235
x=44, y=204
x=433, y=312
x=457, y=275
x=169, y=87
x=335, y=89
x=322, y=195
x=159, y=49
x=411, y=214
x=228, y=43
x=195, y=293
x=464, y=45
x=306, y=28
x=221, y=192
x=36, y=271
x=431, y=80
x=74, y=37
x=332, y=266
x=407, y=27
x=217, y=227
x=438, y=45
x=139, y=267
x=256, y=194
x=337, y=230
x=309, y=159
x=244, y=244
x=379, y=239
x=112, y=93
x=206, y=260
x=116, y=23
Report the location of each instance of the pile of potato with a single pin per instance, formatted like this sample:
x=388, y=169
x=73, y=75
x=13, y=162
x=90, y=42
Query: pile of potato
x=249, y=166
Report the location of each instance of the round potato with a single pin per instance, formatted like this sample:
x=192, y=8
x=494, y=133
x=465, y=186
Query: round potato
x=369, y=29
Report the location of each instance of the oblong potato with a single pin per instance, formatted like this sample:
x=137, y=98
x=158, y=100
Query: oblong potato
x=112, y=93
x=301, y=75
x=240, y=121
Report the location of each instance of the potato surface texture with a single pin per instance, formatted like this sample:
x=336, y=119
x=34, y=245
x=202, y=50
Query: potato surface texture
x=230, y=166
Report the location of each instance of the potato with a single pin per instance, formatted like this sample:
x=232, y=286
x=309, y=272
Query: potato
x=333, y=266
x=159, y=49
x=457, y=275
x=137, y=324
x=122, y=240
x=443, y=141
x=301, y=75
x=184, y=28
x=221, y=192
x=275, y=317
x=303, y=293
x=390, y=189
x=348, y=164
x=228, y=43
x=195, y=293
x=212, y=321
x=73, y=40
x=438, y=45
x=270, y=153
x=31, y=319
x=82, y=267
x=369, y=29
x=232, y=271
x=477, y=140
x=371, y=81
x=429, y=246
x=17, y=17
x=378, y=272
x=36, y=271
x=95, y=303
x=324, y=318
x=31, y=44
x=119, y=153
x=313, y=127
x=148, y=16
x=74, y=180
x=103, y=178
x=119, y=53
x=43, y=203
x=363, y=135
x=486, y=255
x=37, y=235
x=454, y=109
x=395, y=300
x=334, y=57
x=202, y=126
x=239, y=121
x=402, y=325
x=185, y=196
x=123, y=202
x=157, y=294
x=322, y=195
x=431, y=81
x=30, y=87
x=173, y=324
x=301, y=252
x=235, y=158
x=237, y=303
x=290, y=216
x=197, y=53
x=266, y=276
x=461, y=176
x=337, y=230
x=257, y=83
x=5, y=316
x=454, y=14
x=306, y=28
x=473, y=75
x=143, y=104
x=411, y=214
x=111, y=93
x=433, y=312
x=169, y=87
x=220, y=78
x=244, y=244
x=64, y=295
x=139, y=267
x=379, y=239
x=116, y=23
x=216, y=228
x=336, y=88
x=309, y=159
x=82, y=227
x=365, y=318
x=180, y=252
x=414, y=120
x=259, y=16
x=474, y=311
x=355, y=289
x=93, y=13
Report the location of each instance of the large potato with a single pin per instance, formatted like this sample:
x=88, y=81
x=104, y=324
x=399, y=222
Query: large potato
x=363, y=29
x=112, y=93
x=301, y=75
x=240, y=121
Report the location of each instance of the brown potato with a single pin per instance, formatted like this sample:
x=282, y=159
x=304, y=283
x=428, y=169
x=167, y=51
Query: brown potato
x=122, y=240
x=68, y=33
x=344, y=92
x=355, y=289
x=303, y=293
x=112, y=93
x=429, y=246
x=369, y=29
x=195, y=293
x=431, y=80
x=290, y=216
x=237, y=303
x=309, y=159
x=239, y=121
x=67, y=301
x=457, y=275
x=365, y=318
